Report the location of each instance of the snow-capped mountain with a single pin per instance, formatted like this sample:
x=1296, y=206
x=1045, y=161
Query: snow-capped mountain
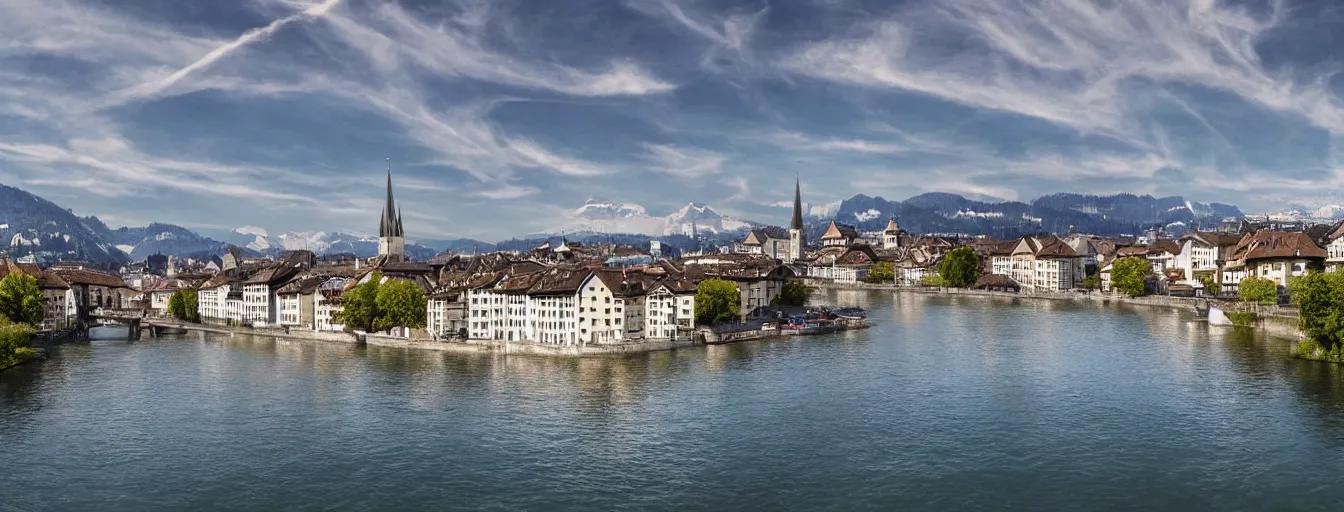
x=822, y=210
x=703, y=219
x=317, y=242
x=600, y=215
x=251, y=237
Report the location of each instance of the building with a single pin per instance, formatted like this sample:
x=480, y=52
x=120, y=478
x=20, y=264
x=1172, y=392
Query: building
x=260, y=302
x=56, y=293
x=90, y=288
x=849, y=267
x=770, y=241
x=839, y=235
x=297, y=301
x=797, y=234
x=1272, y=255
x=1041, y=263
x=1334, y=247
x=669, y=309
x=391, y=236
x=327, y=304
x=894, y=237
x=1201, y=255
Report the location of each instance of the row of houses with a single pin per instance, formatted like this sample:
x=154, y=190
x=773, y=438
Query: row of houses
x=68, y=287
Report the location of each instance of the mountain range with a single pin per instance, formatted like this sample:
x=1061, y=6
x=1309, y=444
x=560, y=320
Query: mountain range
x=32, y=225
x=598, y=215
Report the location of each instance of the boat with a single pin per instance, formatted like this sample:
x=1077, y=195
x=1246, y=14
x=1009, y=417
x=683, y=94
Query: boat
x=852, y=312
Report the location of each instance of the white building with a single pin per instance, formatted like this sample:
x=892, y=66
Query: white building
x=1273, y=255
x=1042, y=264
x=669, y=310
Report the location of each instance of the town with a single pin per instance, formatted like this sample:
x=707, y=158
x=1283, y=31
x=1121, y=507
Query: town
x=572, y=293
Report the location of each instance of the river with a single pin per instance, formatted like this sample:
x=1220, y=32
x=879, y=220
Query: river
x=946, y=403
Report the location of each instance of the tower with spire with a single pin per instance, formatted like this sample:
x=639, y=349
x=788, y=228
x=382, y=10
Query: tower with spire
x=391, y=236
x=797, y=239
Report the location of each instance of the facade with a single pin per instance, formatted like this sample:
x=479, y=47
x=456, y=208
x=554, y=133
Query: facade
x=772, y=241
x=1272, y=255
x=57, y=297
x=894, y=237
x=327, y=304
x=1334, y=248
x=1202, y=254
x=669, y=310
x=1042, y=264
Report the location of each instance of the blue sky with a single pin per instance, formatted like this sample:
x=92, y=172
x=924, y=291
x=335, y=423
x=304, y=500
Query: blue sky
x=500, y=117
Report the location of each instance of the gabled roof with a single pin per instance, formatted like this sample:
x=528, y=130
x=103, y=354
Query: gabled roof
x=857, y=254
x=78, y=277
x=559, y=281
x=838, y=230
x=1048, y=246
x=892, y=227
x=1265, y=244
x=305, y=285
x=1167, y=246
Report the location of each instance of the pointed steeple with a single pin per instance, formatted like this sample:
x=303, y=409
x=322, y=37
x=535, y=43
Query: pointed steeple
x=797, y=205
x=391, y=222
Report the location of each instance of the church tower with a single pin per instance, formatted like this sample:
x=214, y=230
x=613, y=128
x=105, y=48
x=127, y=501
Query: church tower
x=391, y=238
x=796, y=237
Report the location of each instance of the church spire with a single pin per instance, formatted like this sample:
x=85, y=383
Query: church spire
x=391, y=222
x=797, y=205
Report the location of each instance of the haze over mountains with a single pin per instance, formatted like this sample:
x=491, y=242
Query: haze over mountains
x=30, y=224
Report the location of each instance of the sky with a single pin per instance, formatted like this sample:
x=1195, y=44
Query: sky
x=500, y=117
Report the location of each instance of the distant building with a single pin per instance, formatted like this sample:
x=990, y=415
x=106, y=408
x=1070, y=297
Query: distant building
x=839, y=235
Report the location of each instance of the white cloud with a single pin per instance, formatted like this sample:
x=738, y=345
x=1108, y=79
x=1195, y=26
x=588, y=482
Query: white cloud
x=683, y=161
x=1073, y=62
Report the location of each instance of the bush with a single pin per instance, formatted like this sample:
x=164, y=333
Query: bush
x=1320, y=301
x=882, y=272
x=1091, y=282
x=716, y=302
x=794, y=294
x=961, y=268
x=1310, y=349
x=14, y=349
x=1211, y=286
x=1242, y=319
x=1128, y=275
x=934, y=280
x=1258, y=290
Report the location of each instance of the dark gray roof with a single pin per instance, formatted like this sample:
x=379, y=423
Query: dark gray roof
x=391, y=223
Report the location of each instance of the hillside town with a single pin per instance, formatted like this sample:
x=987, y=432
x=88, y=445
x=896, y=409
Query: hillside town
x=572, y=293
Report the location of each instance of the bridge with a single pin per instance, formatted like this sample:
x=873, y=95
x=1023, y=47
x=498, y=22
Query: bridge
x=135, y=320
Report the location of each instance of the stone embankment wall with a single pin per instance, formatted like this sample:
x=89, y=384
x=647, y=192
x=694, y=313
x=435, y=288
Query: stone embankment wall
x=517, y=347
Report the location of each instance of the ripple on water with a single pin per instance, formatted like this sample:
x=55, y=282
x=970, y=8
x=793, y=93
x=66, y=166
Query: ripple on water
x=946, y=403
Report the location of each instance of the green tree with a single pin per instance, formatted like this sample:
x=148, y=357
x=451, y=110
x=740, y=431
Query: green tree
x=1258, y=290
x=1320, y=300
x=934, y=280
x=882, y=272
x=794, y=294
x=1128, y=275
x=183, y=305
x=717, y=301
x=1211, y=286
x=21, y=301
x=960, y=268
x=400, y=303
x=1091, y=282
x=359, y=306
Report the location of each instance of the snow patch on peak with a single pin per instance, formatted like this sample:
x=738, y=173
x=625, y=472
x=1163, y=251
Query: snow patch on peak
x=597, y=208
x=250, y=230
x=865, y=216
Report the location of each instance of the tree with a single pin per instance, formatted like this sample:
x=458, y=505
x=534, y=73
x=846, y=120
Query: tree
x=1320, y=300
x=21, y=301
x=934, y=280
x=794, y=294
x=882, y=272
x=1091, y=282
x=1258, y=290
x=183, y=305
x=1211, y=286
x=717, y=301
x=961, y=267
x=400, y=303
x=14, y=339
x=1129, y=274
x=360, y=306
